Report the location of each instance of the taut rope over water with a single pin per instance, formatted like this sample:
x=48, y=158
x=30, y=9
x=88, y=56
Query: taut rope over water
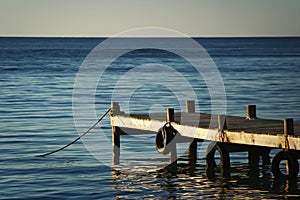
x=78, y=138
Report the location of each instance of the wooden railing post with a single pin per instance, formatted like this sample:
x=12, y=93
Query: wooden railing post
x=192, y=150
x=251, y=112
x=190, y=106
x=170, y=115
x=222, y=124
x=288, y=126
x=288, y=129
x=115, y=108
x=115, y=136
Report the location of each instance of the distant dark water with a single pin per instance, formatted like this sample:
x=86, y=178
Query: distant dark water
x=37, y=77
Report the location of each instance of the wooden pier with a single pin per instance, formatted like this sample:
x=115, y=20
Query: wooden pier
x=227, y=134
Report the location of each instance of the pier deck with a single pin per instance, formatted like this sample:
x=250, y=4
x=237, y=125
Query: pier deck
x=227, y=133
x=259, y=132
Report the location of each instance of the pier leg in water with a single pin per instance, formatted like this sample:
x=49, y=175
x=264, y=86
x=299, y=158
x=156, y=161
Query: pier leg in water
x=253, y=159
x=192, y=155
x=288, y=186
x=192, y=150
x=115, y=136
x=223, y=148
x=173, y=150
x=115, y=146
x=224, y=165
x=266, y=157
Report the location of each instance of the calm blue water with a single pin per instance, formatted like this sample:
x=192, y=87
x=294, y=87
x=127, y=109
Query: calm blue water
x=37, y=79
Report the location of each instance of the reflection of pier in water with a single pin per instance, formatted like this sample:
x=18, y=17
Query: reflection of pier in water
x=189, y=185
x=227, y=133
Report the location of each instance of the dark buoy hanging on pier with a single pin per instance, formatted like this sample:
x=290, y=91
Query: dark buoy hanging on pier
x=291, y=162
x=166, y=134
x=163, y=138
x=292, y=165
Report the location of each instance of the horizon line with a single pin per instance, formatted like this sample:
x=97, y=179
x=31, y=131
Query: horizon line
x=196, y=36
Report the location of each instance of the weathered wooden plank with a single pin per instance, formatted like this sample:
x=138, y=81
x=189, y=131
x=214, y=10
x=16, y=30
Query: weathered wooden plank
x=135, y=123
x=236, y=123
x=239, y=136
x=267, y=140
x=294, y=143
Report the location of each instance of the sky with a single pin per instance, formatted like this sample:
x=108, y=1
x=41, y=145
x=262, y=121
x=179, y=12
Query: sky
x=98, y=18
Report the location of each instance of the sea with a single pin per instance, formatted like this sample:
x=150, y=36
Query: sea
x=53, y=89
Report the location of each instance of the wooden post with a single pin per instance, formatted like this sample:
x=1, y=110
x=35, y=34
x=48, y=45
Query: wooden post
x=253, y=161
x=170, y=115
x=190, y=106
x=251, y=112
x=225, y=163
x=115, y=108
x=288, y=126
x=173, y=150
x=288, y=129
x=192, y=150
x=115, y=136
x=222, y=124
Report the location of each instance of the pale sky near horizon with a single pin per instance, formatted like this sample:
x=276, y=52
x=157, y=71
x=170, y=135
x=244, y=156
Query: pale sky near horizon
x=109, y=17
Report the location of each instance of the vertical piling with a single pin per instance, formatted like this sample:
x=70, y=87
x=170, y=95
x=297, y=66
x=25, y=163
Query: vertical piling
x=253, y=155
x=192, y=150
x=170, y=115
x=288, y=126
x=223, y=148
x=288, y=129
x=222, y=124
x=190, y=106
x=253, y=162
x=115, y=136
x=251, y=112
x=173, y=151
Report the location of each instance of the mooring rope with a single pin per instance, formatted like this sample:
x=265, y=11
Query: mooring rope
x=78, y=138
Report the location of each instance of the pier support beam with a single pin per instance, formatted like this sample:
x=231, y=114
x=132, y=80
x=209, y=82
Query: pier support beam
x=115, y=136
x=192, y=150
